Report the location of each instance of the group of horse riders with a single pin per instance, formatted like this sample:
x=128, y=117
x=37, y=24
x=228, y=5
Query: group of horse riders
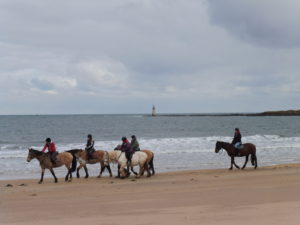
x=127, y=147
x=132, y=156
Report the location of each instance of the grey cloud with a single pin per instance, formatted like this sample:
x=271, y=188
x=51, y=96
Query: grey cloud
x=109, y=53
x=42, y=84
x=270, y=23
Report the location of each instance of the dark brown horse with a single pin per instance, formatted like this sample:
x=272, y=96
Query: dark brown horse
x=64, y=158
x=248, y=149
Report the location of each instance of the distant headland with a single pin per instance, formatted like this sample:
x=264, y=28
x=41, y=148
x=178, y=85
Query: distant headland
x=266, y=113
x=279, y=113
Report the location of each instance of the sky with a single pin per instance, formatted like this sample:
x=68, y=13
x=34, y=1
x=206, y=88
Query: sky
x=124, y=56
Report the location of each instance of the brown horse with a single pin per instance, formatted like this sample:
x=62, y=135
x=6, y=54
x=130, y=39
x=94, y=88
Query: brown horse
x=63, y=158
x=248, y=149
x=98, y=156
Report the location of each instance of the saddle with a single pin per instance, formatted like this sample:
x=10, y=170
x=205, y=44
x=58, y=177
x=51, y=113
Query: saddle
x=238, y=150
x=53, y=157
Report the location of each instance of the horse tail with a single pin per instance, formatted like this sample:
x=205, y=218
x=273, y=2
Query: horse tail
x=106, y=158
x=253, y=157
x=74, y=163
x=151, y=164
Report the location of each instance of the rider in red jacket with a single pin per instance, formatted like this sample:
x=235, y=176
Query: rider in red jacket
x=51, y=149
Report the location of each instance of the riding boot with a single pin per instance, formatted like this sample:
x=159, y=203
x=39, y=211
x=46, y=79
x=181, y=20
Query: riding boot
x=128, y=165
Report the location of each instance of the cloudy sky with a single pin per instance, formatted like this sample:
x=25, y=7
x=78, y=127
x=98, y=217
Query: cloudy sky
x=123, y=56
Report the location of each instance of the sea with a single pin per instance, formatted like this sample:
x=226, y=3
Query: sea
x=179, y=142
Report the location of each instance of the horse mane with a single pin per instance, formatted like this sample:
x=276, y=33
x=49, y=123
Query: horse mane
x=36, y=152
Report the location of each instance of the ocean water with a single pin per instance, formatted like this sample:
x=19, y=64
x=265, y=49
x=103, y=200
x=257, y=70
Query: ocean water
x=178, y=142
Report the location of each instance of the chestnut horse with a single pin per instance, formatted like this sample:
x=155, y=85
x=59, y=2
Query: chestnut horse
x=64, y=158
x=245, y=151
x=99, y=156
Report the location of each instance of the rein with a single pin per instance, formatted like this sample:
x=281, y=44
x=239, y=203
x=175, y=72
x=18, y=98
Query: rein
x=119, y=156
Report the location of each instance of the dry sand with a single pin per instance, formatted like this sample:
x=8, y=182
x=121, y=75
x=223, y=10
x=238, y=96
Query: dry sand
x=269, y=195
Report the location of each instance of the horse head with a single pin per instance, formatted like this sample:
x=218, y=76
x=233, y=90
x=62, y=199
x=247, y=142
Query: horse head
x=218, y=146
x=32, y=154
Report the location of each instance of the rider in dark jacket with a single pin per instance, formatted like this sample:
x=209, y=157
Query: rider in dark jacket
x=126, y=147
x=237, y=139
x=134, y=143
x=90, y=147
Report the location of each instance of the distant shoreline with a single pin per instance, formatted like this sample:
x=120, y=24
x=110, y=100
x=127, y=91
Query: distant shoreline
x=266, y=113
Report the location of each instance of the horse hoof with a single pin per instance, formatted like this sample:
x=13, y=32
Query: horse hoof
x=40, y=182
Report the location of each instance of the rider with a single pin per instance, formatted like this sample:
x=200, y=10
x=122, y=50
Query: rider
x=51, y=149
x=90, y=147
x=134, y=143
x=237, y=139
x=126, y=147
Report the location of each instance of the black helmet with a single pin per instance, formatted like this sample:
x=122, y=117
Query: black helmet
x=89, y=136
x=133, y=136
x=124, y=138
x=48, y=140
x=237, y=129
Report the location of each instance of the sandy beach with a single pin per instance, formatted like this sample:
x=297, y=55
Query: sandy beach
x=269, y=195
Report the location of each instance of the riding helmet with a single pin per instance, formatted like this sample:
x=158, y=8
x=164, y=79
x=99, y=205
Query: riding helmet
x=48, y=140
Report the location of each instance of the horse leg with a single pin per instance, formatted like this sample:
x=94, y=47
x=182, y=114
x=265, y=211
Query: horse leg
x=146, y=167
x=86, y=172
x=254, y=160
x=69, y=173
x=109, y=170
x=42, y=175
x=246, y=161
x=231, y=165
x=78, y=168
x=135, y=173
x=118, y=171
x=102, y=168
x=52, y=171
x=235, y=164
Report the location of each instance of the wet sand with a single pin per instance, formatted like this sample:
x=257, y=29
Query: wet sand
x=269, y=195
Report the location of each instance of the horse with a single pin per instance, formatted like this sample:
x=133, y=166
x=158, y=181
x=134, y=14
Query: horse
x=139, y=158
x=245, y=151
x=64, y=158
x=99, y=156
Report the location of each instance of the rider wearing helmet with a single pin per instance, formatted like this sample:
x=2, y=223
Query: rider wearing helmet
x=90, y=147
x=237, y=139
x=51, y=149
